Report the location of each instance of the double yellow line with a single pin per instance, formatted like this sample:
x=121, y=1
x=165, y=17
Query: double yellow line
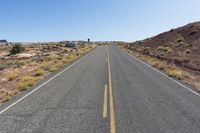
x=105, y=102
x=112, y=112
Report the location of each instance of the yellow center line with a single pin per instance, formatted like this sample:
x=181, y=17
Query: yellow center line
x=112, y=113
x=105, y=102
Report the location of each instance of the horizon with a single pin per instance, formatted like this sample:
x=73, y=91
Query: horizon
x=128, y=21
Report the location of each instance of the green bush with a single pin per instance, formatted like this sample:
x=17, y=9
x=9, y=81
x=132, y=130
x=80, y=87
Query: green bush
x=16, y=49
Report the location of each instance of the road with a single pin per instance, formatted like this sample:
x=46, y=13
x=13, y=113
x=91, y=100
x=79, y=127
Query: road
x=106, y=91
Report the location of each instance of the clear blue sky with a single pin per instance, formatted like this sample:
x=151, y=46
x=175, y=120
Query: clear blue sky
x=126, y=20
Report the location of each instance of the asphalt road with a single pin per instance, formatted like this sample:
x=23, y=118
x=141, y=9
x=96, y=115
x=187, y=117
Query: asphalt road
x=107, y=91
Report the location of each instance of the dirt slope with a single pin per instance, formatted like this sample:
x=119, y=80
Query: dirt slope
x=180, y=47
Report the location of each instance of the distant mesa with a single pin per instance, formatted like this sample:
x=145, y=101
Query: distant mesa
x=3, y=41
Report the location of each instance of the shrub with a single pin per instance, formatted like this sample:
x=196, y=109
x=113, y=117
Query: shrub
x=59, y=65
x=54, y=57
x=16, y=49
x=52, y=69
x=6, y=98
x=33, y=63
x=165, y=49
x=10, y=63
x=4, y=66
x=71, y=57
x=180, y=39
x=12, y=75
x=193, y=32
x=45, y=63
x=20, y=63
x=39, y=72
x=176, y=73
x=59, y=58
x=26, y=81
x=197, y=84
x=65, y=61
x=158, y=64
x=147, y=49
x=187, y=51
x=187, y=45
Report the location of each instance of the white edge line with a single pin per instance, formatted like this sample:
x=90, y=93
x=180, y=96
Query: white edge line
x=160, y=72
x=2, y=111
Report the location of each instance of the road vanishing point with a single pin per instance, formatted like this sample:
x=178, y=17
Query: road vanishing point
x=106, y=91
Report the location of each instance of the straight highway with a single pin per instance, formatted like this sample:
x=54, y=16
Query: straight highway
x=106, y=91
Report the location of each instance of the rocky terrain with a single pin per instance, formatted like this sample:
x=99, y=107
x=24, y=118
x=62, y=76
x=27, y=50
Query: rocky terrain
x=178, y=48
x=21, y=71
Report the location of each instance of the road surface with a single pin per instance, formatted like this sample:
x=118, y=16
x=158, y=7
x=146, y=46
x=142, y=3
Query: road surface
x=106, y=91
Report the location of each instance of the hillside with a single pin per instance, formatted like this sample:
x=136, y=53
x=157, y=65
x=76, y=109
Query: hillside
x=178, y=48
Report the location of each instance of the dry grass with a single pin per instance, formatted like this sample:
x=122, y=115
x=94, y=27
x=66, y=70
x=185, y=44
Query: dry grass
x=180, y=39
x=65, y=61
x=169, y=70
x=179, y=74
x=33, y=64
x=165, y=49
x=152, y=61
x=26, y=81
x=6, y=98
x=59, y=65
x=45, y=63
x=12, y=75
x=52, y=69
x=40, y=72
x=20, y=63
x=31, y=70
x=158, y=64
x=197, y=84
x=54, y=57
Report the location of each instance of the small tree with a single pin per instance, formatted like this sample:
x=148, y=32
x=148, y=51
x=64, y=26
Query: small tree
x=16, y=49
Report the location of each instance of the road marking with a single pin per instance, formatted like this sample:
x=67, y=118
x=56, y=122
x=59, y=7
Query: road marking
x=105, y=102
x=112, y=113
x=106, y=59
x=42, y=84
x=161, y=73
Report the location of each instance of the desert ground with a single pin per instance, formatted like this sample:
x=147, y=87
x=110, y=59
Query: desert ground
x=19, y=72
x=176, y=52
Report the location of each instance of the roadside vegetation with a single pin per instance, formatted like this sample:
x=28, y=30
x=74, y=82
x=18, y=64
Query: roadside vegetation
x=175, y=52
x=16, y=49
x=170, y=70
x=25, y=65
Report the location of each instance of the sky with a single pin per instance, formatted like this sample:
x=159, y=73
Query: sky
x=99, y=20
